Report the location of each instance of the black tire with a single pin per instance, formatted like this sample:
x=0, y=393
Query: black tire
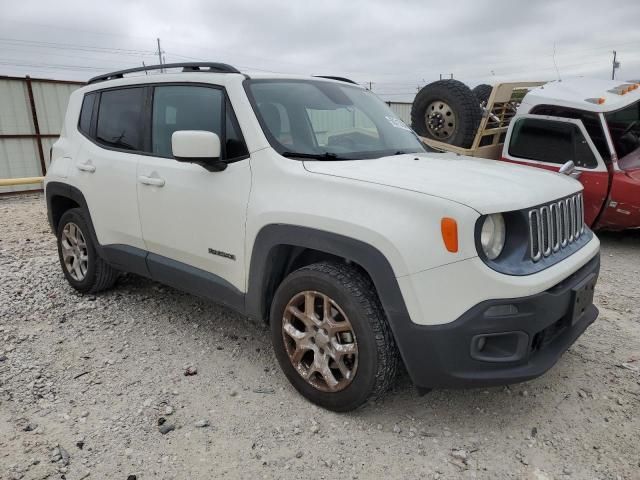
x=99, y=275
x=482, y=93
x=377, y=353
x=462, y=104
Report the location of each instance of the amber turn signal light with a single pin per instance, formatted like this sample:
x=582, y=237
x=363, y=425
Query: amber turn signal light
x=449, y=229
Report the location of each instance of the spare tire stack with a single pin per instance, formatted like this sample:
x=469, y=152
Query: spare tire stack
x=447, y=111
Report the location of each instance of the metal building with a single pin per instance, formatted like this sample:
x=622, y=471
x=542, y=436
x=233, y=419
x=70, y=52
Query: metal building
x=31, y=115
x=402, y=110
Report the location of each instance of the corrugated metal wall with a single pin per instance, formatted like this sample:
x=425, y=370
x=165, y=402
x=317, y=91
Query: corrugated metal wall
x=402, y=110
x=20, y=140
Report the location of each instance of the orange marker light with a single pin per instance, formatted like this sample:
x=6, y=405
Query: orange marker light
x=449, y=228
x=600, y=101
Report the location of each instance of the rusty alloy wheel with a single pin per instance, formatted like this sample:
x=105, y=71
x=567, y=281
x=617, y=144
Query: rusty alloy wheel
x=320, y=341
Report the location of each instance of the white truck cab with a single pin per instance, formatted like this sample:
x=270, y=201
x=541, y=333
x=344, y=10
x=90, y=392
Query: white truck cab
x=306, y=203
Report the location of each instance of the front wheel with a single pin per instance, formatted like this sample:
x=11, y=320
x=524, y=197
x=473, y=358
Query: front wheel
x=331, y=337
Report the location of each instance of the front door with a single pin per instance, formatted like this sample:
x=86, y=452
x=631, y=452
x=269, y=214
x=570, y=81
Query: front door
x=193, y=220
x=549, y=142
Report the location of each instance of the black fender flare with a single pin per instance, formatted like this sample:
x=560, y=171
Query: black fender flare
x=366, y=256
x=122, y=257
x=59, y=189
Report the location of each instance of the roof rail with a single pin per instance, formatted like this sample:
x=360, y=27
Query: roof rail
x=186, y=67
x=339, y=79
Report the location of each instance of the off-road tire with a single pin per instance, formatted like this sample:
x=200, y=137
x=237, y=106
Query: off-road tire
x=99, y=276
x=354, y=292
x=482, y=92
x=462, y=103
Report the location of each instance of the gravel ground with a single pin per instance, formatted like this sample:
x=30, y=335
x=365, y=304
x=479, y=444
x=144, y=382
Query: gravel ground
x=85, y=382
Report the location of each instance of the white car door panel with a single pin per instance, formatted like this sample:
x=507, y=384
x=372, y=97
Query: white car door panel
x=189, y=214
x=194, y=216
x=106, y=175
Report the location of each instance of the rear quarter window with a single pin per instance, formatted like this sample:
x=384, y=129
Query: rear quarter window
x=86, y=112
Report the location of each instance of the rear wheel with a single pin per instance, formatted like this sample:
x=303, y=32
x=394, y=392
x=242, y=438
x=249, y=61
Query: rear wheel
x=446, y=111
x=331, y=337
x=82, y=266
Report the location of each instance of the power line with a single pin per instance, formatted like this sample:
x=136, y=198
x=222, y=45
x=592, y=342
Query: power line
x=67, y=46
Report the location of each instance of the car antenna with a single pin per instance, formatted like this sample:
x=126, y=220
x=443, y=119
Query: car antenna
x=555, y=64
x=145, y=68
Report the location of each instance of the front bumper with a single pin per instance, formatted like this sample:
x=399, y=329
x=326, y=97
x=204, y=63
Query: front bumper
x=523, y=337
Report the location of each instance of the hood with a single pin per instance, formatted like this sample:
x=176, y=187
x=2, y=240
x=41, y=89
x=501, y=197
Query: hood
x=488, y=186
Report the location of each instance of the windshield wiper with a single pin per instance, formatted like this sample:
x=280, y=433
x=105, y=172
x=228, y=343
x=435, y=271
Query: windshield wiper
x=315, y=156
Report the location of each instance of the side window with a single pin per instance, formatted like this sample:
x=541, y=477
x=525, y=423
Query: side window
x=180, y=107
x=583, y=157
x=551, y=142
x=234, y=143
x=590, y=120
x=84, y=124
x=120, y=118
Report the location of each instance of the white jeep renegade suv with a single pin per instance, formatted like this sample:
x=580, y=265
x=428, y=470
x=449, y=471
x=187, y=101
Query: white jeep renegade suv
x=306, y=203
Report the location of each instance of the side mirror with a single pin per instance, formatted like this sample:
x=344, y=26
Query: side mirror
x=198, y=146
x=569, y=168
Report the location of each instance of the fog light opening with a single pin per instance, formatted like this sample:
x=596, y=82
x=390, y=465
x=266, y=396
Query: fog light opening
x=500, y=347
x=501, y=310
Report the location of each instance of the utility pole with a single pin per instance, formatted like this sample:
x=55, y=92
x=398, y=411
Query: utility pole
x=160, y=54
x=616, y=65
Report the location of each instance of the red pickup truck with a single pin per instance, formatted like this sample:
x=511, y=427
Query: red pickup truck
x=593, y=123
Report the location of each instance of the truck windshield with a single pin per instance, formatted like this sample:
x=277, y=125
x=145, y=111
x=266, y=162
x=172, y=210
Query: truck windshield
x=325, y=120
x=624, y=126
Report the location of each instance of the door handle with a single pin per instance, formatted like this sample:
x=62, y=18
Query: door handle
x=86, y=167
x=155, y=181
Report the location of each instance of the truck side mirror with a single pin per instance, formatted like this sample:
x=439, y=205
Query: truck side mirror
x=198, y=146
x=569, y=168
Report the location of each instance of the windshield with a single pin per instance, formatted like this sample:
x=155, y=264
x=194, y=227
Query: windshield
x=328, y=121
x=624, y=126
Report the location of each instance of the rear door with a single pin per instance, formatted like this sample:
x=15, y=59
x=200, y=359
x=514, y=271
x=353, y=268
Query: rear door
x=111, y=138
x=550, y=142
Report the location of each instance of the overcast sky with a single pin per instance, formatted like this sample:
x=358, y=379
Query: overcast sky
x=396, y=45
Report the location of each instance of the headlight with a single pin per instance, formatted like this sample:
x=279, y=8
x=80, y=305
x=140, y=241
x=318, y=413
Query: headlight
x=493, y=235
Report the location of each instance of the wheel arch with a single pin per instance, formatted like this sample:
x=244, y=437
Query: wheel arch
x=279, y=249
x=61, y=197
